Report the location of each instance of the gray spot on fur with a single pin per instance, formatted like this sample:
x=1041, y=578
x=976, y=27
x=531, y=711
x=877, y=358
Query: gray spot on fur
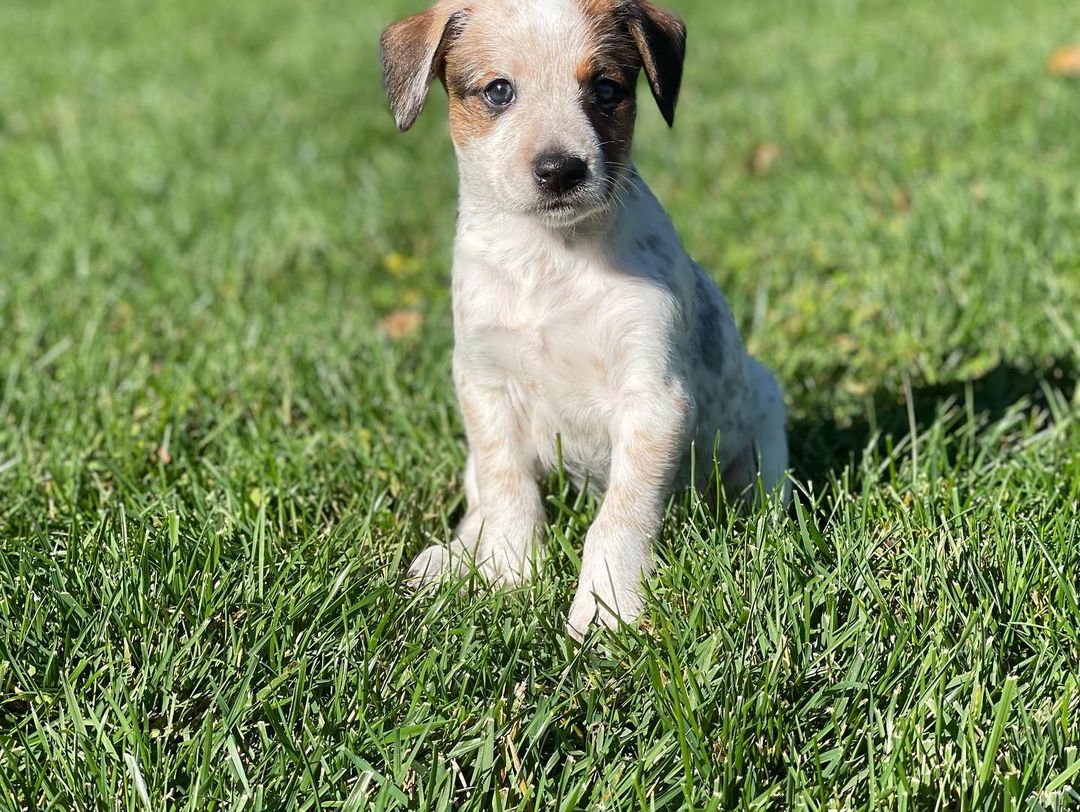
x=655, y=246
x=708, y=329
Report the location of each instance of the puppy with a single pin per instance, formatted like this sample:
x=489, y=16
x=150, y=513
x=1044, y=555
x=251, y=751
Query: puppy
x=585, y=336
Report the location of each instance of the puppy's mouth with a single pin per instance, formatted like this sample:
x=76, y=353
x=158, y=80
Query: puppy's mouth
x=564, y=206
x=568, y=212
x=594, y=199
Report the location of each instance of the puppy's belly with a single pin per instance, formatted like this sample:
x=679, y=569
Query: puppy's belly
x=566, y=399
x=570, y=421
x=573, y=432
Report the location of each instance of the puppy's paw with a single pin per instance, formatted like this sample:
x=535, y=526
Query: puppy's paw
x=432, y=566
x=604, y=605
x=507, y=566
x=501, y=569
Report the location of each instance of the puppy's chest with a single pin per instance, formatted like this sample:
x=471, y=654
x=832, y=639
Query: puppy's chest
x=551, y=360
x=557, y=356
x=560, y=382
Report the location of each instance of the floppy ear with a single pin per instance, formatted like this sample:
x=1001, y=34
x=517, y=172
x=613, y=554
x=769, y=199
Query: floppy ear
x=413, y=54
x=660, y=36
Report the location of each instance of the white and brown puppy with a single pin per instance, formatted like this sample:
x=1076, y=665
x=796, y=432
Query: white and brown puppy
x=584, y=332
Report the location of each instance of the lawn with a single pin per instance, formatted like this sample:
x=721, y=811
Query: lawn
x=215, y=463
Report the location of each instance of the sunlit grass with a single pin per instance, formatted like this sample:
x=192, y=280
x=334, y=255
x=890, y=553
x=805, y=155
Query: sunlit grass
x=214, y=465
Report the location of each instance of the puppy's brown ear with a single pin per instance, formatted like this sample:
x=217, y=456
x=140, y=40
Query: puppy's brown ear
x=660, y=36
x=413, y=54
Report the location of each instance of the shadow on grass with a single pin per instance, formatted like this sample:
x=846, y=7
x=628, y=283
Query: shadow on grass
x=822, y=446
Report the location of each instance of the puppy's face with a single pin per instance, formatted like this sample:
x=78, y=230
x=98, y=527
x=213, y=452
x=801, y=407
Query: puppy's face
x=542, y=93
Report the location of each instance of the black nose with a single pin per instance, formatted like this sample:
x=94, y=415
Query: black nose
x=559, y=173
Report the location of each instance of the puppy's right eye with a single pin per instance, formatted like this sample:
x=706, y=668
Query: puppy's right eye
x=499, y=93
x=607, y=92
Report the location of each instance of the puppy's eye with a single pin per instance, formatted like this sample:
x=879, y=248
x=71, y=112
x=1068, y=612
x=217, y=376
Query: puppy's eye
x=607, y=92
x=499, y=93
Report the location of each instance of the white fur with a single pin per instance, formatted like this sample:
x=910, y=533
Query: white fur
x=591, y=334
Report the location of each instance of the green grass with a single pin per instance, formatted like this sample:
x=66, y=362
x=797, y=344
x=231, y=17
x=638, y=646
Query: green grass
x=213, y=466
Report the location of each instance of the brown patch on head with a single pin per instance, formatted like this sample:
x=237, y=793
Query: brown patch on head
x=599, y=8
x=468, y=73
x=470, y=120
x=613, y=56
x=413, y=54
x=657, y=39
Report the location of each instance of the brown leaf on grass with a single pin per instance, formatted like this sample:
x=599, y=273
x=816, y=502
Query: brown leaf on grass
x=401, y=324
x=164, y=456
x=763, y=158
x=1065, y=61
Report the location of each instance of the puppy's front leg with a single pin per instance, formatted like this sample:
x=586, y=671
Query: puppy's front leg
x=646, y=445
x=511, y=508
x=505, y=520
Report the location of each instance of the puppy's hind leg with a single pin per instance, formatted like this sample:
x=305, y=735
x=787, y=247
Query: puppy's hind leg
x=766, y=456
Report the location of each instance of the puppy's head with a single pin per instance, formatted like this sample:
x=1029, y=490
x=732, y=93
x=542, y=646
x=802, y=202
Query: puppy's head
x=542, y=93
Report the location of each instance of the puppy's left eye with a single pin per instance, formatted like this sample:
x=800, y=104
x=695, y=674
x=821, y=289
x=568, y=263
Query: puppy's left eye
x=607, y=92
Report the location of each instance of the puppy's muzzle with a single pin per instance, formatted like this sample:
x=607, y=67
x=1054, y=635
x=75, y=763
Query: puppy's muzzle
x=559, y=173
